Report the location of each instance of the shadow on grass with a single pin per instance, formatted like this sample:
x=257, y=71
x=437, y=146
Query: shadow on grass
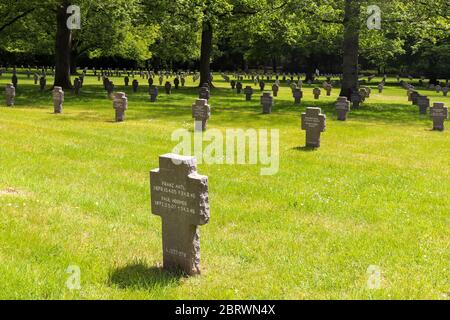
x=305, y=149
x=140, y=276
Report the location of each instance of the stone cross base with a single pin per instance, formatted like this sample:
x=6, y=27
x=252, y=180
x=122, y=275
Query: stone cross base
x=342, y=115
x=312, y=139
x=438, y=124
x=120, y=115
x=200, y=125
x=10, y=101
x=57, y=107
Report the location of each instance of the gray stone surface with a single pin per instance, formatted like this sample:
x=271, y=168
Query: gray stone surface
x=248, y=93
x=203, y=93
x=201, y=112
x=179, y=195
x=153, y=92
x=275, y=89
x=267, y=102
x=316, y=92
x=414, y=96
x=356, y=100
x=10, y=94
x=424, y=103
x=58, y=99
x=314, y=122
x=328, y=89
x=342, y=108
x=298, y=95
x=239, y=87
x=168, y=87
x=120, y=104
x=42, y=83
x=439, y=113
x=380, y=88
x=262, y=85
x=135, y=85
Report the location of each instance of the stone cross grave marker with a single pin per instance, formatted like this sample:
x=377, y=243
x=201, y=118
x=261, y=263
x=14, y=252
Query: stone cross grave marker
x=267, y=102
x=316, y=93
x=120, y=104
x=168, y=87
x=203, y=93
x=262, y=85
x=153, y=91
x=179, y=195
x=328, y=88
x=201, y=112
x=239, y=87
x=414, y=96
x=248, y=93
x=408, y=93
x=355, y=99
x=314, y=122
x=58, y=99
x=298, y=95
x=10, y=94
x=363, y=94
x=342, y=108
x=135, y=85
x=275, y=89
x=439, y=113
x=42, y=83
x=424, y=103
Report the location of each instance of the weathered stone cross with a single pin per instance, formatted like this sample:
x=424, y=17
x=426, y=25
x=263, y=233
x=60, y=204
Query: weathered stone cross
x=180, y=197
x=439, y=113
x=314, y=122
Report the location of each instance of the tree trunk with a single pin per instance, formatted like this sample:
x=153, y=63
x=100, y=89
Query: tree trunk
x=63, y=47
x=205, y=55
x=309, y=69
x=73, y=61
x=350, y=82
x=274, y=65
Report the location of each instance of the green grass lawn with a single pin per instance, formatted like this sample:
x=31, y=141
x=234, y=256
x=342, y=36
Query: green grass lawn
x=74, y=190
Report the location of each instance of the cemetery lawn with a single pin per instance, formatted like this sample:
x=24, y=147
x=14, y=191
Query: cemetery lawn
x=74, y=190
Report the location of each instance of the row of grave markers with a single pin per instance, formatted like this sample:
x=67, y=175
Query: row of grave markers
x=438, y=112
x=201, y=111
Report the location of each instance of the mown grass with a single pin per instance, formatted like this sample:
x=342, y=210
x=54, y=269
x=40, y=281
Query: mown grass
x=74, y=190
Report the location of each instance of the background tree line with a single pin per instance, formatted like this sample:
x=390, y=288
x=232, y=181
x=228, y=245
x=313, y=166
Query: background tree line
x=275, y=35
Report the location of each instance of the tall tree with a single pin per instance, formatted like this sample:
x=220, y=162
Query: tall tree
x=63, y=45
